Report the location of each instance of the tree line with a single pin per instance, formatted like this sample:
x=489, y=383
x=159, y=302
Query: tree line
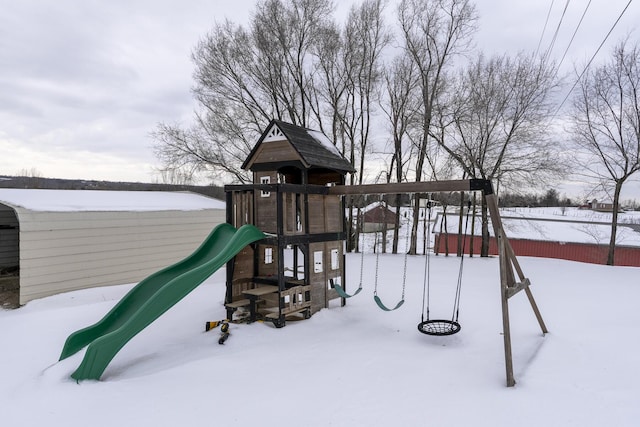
x=405, y=97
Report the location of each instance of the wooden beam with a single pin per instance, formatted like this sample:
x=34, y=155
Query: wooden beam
x=506, y=328
x=534, y=306
x=512, y=290
x=404, y=187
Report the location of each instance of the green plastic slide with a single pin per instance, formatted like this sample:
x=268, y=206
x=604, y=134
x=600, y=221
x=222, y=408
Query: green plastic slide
x=153, y=296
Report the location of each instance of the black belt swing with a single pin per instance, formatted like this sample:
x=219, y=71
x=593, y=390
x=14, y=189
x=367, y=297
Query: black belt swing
x=441, y=327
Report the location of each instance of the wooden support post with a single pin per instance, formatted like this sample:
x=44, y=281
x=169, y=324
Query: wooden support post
x=506, y=328
x=527, y=289
x=508, y=285
x=534, y=306
x=512, y=261
x=280, y=231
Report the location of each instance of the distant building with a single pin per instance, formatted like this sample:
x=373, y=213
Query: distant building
x=378, y=218
x=595, y=205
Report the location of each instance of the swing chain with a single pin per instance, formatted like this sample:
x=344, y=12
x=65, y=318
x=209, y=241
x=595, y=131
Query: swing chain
x=375, y=248
x=406, y=255
x=361, y=261
x=427, y=270
x=456, y=307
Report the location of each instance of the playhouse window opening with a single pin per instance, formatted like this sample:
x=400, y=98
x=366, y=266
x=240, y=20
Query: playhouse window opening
x=294, y=262
x=317, y=262
x=298, y=212
x=265, y=180
x=335, y=264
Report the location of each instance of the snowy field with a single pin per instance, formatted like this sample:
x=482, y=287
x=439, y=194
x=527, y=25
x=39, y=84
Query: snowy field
x=346, y=366
x=571, y=225
x=557, y=224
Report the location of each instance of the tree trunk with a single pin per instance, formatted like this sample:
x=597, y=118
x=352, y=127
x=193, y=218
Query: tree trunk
x=473, y=225
x=413, y=247
x=614, y=223
x=484, y=249
x=446, y=230
x=460, y=220
x=396, y=224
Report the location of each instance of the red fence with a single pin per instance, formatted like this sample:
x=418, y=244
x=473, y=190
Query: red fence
x=583, y=252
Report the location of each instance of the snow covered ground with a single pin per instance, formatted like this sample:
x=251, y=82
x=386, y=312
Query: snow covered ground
x=346, y=366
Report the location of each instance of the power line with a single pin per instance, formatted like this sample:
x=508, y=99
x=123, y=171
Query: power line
x=574, y=34
x=555, y=35
x=544, y=28
x=592, y=58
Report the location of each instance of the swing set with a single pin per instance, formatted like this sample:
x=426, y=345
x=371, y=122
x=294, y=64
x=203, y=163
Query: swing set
x=509, y=265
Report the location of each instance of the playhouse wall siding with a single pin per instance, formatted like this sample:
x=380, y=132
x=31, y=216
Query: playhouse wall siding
x=265, y=206
x=9, y=248
x=275, y=151
x=66, y=251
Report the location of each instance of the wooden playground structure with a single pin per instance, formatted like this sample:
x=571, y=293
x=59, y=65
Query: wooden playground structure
x=297, y=200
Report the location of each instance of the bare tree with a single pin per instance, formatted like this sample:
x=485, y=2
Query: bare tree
x=497, y=124
x=243, y=79
x=606, y=124
x=32, y=177
x=433, y=33
x=284, y=33
x=330, y=82
x=365, y=37
x=400, y=106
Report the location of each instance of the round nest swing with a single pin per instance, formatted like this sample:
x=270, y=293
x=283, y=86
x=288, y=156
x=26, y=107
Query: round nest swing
x=439, y=327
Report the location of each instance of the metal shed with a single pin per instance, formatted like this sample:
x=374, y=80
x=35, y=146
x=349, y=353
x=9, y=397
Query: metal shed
x=54, y=241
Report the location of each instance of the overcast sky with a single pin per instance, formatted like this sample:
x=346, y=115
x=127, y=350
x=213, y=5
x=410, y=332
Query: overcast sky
x=84, y=82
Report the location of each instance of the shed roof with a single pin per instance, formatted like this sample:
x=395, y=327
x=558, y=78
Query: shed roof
x=379, y=214
x=98, y=200
x=314, y=148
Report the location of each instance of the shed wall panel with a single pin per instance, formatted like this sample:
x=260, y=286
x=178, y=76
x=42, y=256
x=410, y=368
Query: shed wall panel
x=45, y=244
x=65, y=251
x=9, y=245
x=9, y=248
x=68, y=266
x=40, y=221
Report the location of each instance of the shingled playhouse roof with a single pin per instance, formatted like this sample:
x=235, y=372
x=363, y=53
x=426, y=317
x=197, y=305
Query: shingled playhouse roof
x=314, y=148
